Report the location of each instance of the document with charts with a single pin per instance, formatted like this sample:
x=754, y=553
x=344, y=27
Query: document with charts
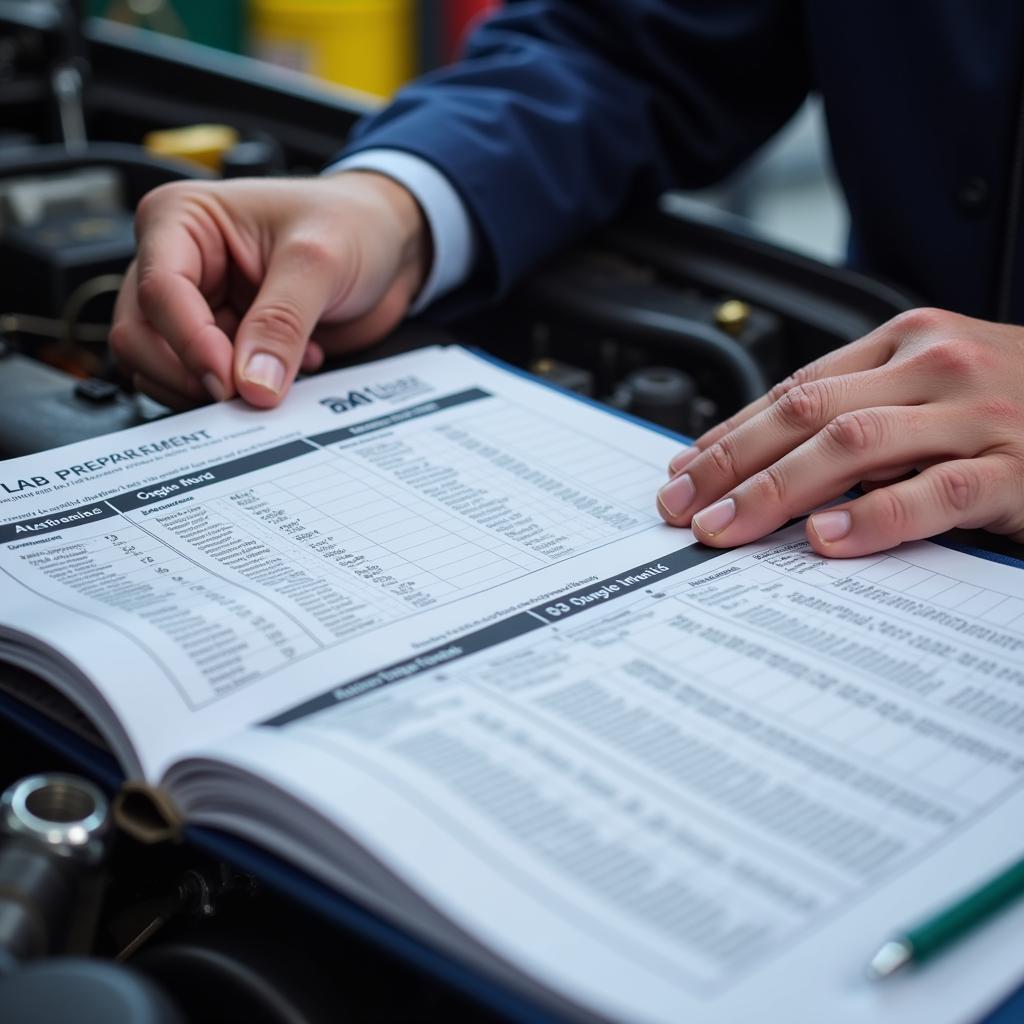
x=421, y=633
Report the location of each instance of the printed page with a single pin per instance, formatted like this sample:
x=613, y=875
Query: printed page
x=207, y=570
x=704, y=786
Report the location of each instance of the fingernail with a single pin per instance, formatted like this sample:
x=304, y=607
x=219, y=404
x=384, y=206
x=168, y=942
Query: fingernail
x=682, y=460
x=266, y=370
x=717, y=517
x=677, y=495
x=214, y=387
x=832, y=525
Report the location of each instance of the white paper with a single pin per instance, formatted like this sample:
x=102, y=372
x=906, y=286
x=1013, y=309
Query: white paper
x=709, y=794
x=207, y=570
x=665, y=782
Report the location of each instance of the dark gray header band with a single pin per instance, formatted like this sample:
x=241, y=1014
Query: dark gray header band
x=176, y=486
x=66, y=519
x=401, y=416
x=641, y=577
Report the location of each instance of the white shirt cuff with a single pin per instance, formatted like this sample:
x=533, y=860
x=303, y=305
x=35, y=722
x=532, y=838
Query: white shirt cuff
x=454, y=240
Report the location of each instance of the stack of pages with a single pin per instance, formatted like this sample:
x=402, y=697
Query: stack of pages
x=421, y=633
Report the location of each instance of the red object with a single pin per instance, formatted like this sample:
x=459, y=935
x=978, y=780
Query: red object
x=459, y=18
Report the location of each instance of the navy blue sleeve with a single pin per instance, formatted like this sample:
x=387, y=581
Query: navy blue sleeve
x=562, y=112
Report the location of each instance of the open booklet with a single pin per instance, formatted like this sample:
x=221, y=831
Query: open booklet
x=421, y=633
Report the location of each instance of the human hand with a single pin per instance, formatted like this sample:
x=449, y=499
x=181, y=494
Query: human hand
x=927, y=412
x=239, y=284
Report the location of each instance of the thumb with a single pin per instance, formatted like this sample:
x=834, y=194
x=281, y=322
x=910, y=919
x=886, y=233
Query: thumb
x=273, y=334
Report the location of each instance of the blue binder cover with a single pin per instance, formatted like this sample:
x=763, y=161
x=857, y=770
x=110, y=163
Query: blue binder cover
x=348, y=915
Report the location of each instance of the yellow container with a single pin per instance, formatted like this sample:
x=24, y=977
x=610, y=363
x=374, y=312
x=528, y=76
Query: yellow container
x=203, y=144
x=365, y=44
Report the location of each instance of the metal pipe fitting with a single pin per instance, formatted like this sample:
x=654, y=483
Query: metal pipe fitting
x=53, y=832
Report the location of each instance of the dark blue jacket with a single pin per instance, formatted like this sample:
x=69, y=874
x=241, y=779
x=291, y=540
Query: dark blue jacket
x=565, y=111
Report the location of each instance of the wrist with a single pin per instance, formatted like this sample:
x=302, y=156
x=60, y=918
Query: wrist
x=404, y=216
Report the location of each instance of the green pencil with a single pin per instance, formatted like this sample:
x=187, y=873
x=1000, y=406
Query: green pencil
x=948, y=926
